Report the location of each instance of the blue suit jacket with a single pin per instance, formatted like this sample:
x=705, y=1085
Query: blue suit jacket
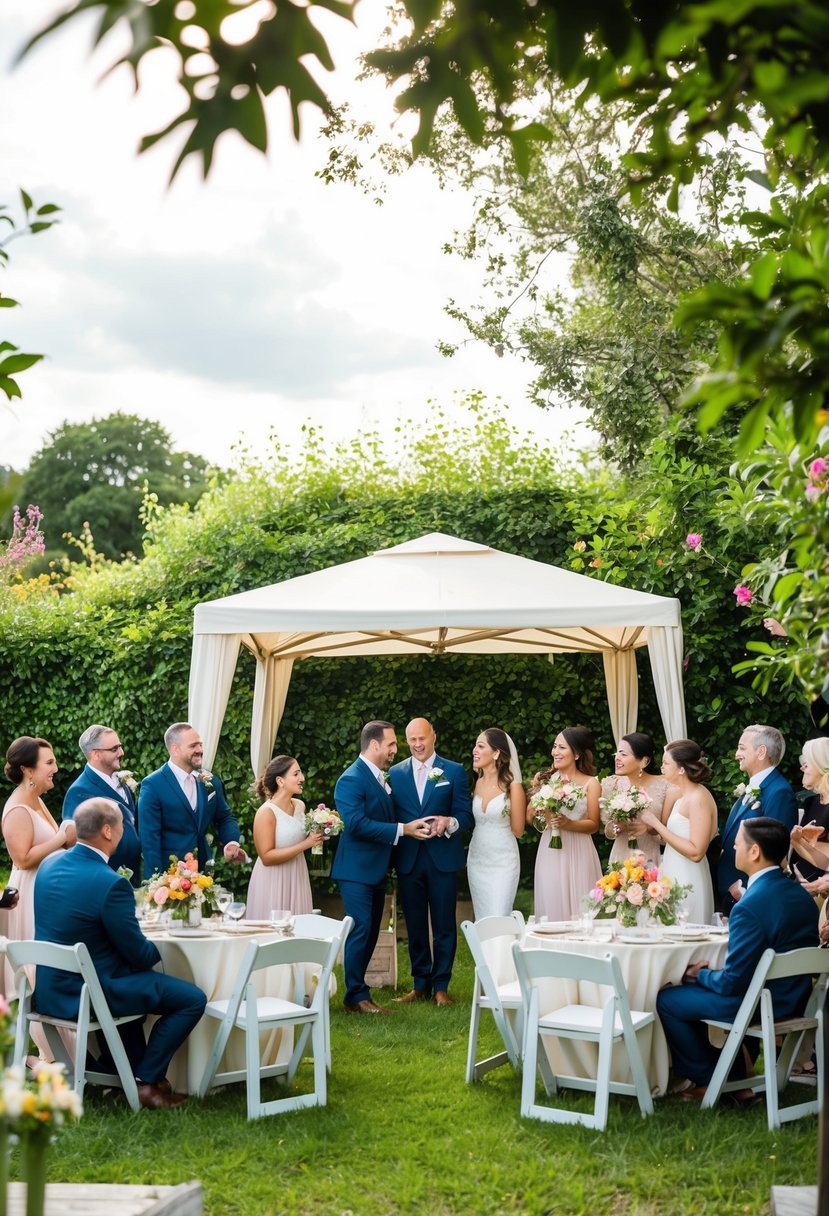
x=91, y=784
x=776, y=800
x=448, y=796
x=78, y=898
x=168, y=825
x=370, y=827
x=774, y=912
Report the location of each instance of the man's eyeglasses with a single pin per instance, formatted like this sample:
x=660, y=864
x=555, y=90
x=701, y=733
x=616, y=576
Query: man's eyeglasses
x=117, y=748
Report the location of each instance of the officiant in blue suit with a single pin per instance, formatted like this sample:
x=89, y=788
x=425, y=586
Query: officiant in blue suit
x=100, y=779
x=180, y=803
x=429, y=786
x=774, y=912
x=77, y=898
x=766, y=792
x=364, y=853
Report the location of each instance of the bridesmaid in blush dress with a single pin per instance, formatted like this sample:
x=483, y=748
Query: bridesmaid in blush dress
x=634, y=754
x=499, y=808
x=280, y=876
x=564, y=876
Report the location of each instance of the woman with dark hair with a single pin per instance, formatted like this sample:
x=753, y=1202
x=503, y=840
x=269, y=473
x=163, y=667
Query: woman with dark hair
x=31, y=834
x=280, y=875
x=634, y=754
x=499, y=808
x=564, y=875
x=690, y=826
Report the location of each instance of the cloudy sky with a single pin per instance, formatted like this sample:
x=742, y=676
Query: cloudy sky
x=225, y=310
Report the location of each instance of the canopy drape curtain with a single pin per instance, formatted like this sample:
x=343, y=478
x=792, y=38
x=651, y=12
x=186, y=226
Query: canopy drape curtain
x=270, y=691
x=665, y=654
x=212, y=668
x=622, y=691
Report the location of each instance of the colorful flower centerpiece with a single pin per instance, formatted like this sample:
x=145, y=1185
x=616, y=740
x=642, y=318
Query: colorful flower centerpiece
x=623, y=806
x=182, y=890
x=33, y=1111
x=322, y=819
x=633, y=885
x=559, y=796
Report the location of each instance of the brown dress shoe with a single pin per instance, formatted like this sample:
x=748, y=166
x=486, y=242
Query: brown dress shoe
x=366, y=1007
x=443, y=999
x=408, y=998
x=153, y=1098
x=694, y=1094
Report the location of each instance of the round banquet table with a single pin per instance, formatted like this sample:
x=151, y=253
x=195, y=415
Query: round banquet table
x=211, y=960
x=646, y=967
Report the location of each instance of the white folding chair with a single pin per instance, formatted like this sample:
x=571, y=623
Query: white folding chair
x=499, y=998
x=251, y=1013
x=324, y=928
x=93, y=1015
x=777, y=1068
x=606, y=1025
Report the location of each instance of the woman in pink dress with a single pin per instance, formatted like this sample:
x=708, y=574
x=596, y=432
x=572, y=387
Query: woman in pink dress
x=31, y=834
x=564, y=876
x=280, y=877
x=634, y=755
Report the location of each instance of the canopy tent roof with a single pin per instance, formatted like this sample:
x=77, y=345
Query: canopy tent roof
x=435, y=594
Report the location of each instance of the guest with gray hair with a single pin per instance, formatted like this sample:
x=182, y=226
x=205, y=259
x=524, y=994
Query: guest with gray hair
x=765, y=792
x=103, y=777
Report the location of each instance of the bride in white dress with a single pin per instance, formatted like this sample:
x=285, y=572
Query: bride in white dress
x=691, y=826
x=499, y=806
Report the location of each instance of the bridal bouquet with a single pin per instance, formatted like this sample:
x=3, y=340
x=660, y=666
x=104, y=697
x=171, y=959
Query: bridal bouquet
x=559, y=796
x=634, y=884
x=322, y=819
x=182, y=889
x=623, y=806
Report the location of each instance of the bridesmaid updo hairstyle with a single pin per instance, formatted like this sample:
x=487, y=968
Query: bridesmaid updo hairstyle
x=688, y=755
x=580, y=741
x=498, y=741
x=267, y=784
x=642, y=745
x=23, y=753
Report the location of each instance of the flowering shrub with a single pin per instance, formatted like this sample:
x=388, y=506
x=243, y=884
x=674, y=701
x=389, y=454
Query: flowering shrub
x=743, y=595
x=27, y=539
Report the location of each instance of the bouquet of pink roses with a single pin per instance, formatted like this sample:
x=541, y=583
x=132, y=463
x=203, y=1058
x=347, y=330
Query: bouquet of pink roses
x=559, y=796
x=322, y=819
x=623, y=806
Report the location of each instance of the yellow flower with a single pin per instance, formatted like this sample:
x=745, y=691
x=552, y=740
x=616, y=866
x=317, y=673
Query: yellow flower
x=204, y=881
x=29, y=1102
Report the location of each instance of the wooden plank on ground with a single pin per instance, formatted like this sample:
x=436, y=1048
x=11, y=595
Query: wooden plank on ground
x=793, y=1200
x=112, y=1199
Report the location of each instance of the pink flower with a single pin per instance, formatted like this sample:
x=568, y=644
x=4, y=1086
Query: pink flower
x=654, y=890
x=190, y=863
x=817, y=468
x=186, y=884
x=743, y=595
x=635, y=895
x=161, y=896
x=813, y=492
x=693, y=540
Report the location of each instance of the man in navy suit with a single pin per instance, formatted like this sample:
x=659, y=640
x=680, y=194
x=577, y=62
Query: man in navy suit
x=104, y=753
x=427, y=785
x=774, y=912
x=364, y=850
x=78, y=898
x=766, y=792
x=180, y=802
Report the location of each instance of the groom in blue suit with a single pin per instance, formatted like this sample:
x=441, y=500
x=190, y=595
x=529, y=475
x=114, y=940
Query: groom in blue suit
x=104, y=753
x=180, y=803
x=78, y=898
x=774, y=912
x=427, y=785
x=364, y=851
x=767, y=792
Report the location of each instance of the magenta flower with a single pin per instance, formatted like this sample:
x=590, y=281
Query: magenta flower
x=693, y=540
x=743, y=594
x=818, y=468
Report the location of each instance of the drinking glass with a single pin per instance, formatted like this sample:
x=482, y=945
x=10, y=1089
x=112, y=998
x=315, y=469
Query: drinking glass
x=223, y=901
x=682, y=916
x=236, y=910
x=280, y=917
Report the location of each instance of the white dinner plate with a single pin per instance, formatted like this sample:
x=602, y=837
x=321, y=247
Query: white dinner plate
x=553, y=926
x=249, y=926
x=187, y=931
x=697, y=933
x=640, y=939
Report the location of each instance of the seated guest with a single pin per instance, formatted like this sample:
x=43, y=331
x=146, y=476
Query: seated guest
x=810, y=839
x=767, y=792
x=104, y=753
x=180, y=803
x=78, y=898
x=774, y=912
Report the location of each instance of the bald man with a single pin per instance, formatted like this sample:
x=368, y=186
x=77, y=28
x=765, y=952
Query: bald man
x=426, y=786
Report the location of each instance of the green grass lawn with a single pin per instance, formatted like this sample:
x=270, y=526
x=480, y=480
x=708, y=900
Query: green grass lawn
x=402, y=1133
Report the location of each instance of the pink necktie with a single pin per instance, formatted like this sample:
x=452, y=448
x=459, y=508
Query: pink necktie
x=420, y=780
x=190, y=790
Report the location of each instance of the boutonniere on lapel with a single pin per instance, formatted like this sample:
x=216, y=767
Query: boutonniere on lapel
x=434, y=774
x=206, y=779
x=749, y=793
x=127, y=779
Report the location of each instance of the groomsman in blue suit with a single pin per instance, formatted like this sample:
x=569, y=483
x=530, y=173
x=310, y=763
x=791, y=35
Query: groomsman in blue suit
x=427, y=785
x=104, y=753
x=78, y=898
x=180, y=802
x=774, y=912
x=766, y=792
x=363, y=798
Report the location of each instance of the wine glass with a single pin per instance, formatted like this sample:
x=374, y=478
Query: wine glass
x=223, y=901
x=682, y=916
x=236, y=910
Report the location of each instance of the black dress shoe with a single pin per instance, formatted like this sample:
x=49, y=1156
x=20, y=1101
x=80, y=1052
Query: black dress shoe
x=153, y=1098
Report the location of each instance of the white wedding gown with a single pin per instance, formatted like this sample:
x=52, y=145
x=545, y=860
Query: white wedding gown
x=700, y=899
x=492, y=864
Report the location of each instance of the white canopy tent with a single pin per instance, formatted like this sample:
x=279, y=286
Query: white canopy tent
x=429, y=596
